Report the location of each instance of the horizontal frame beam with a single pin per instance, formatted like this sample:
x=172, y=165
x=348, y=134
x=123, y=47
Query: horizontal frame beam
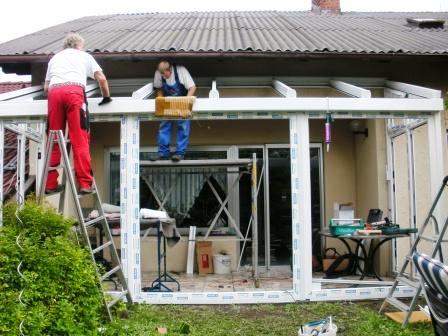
x=10, y=110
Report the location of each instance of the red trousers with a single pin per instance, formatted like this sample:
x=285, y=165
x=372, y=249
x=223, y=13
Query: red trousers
x=66, y=105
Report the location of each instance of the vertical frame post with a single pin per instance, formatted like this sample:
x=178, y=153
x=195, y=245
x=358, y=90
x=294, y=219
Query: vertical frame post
x=2, y=147
x=301, y=206
x=254, y=187
x=130, y=201
x=21, y=158
x=40, y=154
x=437, y=156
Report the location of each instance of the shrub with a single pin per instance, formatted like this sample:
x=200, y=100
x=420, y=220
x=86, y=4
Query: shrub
x=61, y=293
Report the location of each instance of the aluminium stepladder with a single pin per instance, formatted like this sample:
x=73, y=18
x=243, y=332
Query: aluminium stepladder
x=57, y=138
x=406, y=278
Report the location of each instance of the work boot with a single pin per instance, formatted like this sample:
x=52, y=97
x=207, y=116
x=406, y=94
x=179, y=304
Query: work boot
x=85, y=190
x=177, y=157
x=56, y=190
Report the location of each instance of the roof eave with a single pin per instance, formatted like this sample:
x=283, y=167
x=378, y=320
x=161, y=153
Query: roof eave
x=36, y=58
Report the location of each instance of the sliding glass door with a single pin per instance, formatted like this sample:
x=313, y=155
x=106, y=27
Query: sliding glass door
x=274, y=201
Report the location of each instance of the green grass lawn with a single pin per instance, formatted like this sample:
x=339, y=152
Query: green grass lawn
x=352, y=318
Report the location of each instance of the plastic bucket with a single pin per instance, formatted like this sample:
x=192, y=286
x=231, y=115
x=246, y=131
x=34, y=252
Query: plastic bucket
x=221, y=264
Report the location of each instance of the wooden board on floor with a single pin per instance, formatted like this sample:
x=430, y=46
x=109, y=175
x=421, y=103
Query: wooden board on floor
x=417, y=316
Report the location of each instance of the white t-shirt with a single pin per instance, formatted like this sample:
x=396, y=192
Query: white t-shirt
x=71, y=65
x=184, y=78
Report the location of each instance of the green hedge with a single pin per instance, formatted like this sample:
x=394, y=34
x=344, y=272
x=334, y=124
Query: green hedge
x=60, y=286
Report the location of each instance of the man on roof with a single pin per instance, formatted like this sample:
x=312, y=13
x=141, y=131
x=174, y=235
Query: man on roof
x=65, y=83
x=172, y=80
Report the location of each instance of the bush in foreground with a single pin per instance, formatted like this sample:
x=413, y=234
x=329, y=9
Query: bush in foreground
x=61, y=293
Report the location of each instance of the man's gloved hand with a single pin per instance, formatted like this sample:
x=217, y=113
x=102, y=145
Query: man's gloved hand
x=105, y=100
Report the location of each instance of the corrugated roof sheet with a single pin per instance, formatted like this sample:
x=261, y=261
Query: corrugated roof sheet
x=257, y=31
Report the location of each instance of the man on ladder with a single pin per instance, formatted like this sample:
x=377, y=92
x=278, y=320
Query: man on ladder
x=65, y=83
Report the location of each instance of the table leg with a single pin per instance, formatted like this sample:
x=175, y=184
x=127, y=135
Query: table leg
x=349, y=250
x=360, y=246
x=374, y=251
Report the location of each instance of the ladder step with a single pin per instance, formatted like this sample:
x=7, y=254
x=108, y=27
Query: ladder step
x=93, y=221
x=112, y=271
x=102, y=247
x=55, y=140
x=412, y=283
x=55, y=167
x=88, y=194
x=432, y=239
x=398, y=304
x=118, y=298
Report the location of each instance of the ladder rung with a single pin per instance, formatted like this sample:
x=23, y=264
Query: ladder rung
x=93, y=221
x=55, y=167
x=118, y=298
x=112, y=271
x=409, y=282
x=55, y=140
x=102, y=247
x=89, y=194
x=398, y=304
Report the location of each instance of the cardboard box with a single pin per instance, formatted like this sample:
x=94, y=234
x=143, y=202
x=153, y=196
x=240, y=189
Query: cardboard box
x=204, y=257
x=344, y=211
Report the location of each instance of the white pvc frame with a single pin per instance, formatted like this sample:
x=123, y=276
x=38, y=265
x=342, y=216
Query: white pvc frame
x=426, y=103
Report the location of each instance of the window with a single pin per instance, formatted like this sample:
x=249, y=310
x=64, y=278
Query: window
x=184, y=193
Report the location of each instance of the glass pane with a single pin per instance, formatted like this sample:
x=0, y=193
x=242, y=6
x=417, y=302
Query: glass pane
x=315, y=200
x=114, y=178
x=245, y=206
x=280, y=205
x=186, y=193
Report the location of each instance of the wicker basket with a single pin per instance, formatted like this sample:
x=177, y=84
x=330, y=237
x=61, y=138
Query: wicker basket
x=174, y=107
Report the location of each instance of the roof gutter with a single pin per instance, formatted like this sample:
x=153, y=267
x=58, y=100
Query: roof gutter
x=141, y=56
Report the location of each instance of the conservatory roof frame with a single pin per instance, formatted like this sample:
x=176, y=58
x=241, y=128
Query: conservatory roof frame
x=411, y=102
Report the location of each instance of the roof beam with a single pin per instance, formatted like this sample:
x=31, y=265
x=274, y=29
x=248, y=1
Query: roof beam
x=92, y=89
x=414, y=89
x=22, y=93
x=284, y=89
x=143, y=92
x=350, y=89
x=27, y=132
x=213, y=93
x=391, y=93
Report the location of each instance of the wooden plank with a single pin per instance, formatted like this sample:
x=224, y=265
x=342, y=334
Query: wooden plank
x=417, y=316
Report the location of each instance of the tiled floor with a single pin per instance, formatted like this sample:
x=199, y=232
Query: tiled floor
x=277, y=279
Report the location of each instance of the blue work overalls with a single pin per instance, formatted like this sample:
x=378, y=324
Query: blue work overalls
x=183, y=126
